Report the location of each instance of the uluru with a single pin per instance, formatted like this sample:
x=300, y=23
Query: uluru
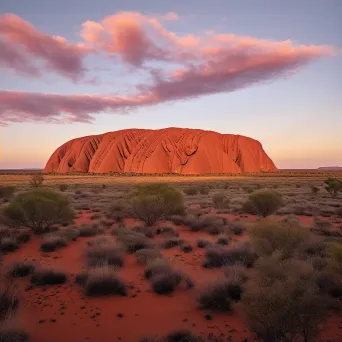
x=169, y=150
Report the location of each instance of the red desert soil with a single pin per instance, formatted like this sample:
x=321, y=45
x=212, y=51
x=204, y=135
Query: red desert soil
x=63, y=313
x=169, y=150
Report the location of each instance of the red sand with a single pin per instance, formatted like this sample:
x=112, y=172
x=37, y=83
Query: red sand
x=78, y=318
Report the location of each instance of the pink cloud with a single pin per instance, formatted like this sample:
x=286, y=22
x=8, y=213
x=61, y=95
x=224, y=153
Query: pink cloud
x=195, y=65
x=54, y=53
x=53, y=108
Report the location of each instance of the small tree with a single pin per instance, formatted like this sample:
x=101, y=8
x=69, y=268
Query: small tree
x=333, y=186
x=38, y=209
x=155, y=201
x=36, y=180
x=220, y=200
x=263, y=202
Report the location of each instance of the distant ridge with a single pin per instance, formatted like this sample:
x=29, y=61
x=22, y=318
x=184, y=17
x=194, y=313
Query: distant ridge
x=330, y=168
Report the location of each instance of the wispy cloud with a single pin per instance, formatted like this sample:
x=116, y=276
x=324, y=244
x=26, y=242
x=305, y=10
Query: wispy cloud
x=200, y=65
x=26, y=50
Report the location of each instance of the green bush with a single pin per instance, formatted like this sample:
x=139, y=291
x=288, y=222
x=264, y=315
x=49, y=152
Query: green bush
x=282, y=302
x=271, y=236
x=156, y=201
x=6, y=192
x=220, y=200
x=263, y=202
x=38, y=209
x=333, y=186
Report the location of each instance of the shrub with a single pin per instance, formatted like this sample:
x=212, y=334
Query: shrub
x=219, y=256
x=165, y=283
x=9, y=302
x=87, y=230
x=8, y=244
x=68, y=233
x=177, y=219
x=292, y=219
x=155, y=201
x=236, y=274
x=181, y=336
x=52, y=243
x=186, y=247
x=333, y=186
x=172, y=242
x=45, y=276
x=132, y=241
x=204, y=190
x=103, y=281
x=237, y=228
x=190, y=191
x=119, y=210
x=268, y=237
x=323, y=226
x=105, y=254
x=23, y=237
x=157, y=266
x=339, y=212
x=63, y=187
x=6, y=191
x=39, y=209
x=36, y=180
x=5, y=232
x=314, y=189
x=203, y=243
x=220, y=200
x=216, y=296
x=168, y=231
x=282, y=302
x=21, y=268
x=223, y=240
x=13, y=335
x=146, y=255
x=263, y=202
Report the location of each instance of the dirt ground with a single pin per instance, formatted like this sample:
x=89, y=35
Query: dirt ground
x=63, y=313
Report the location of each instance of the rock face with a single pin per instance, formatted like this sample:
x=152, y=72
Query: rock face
x=169, y=150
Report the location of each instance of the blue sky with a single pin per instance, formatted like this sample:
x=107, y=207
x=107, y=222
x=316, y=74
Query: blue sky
x=297, y=118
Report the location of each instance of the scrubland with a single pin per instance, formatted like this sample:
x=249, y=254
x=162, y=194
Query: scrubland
x=171, y=258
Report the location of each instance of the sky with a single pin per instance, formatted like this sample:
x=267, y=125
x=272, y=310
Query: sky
x=267, y=69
